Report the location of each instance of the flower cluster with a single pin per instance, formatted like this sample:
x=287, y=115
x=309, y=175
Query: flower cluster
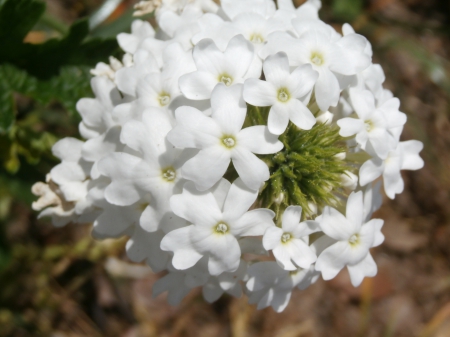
x=228, y=145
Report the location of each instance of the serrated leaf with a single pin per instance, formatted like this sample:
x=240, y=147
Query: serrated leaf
x=71, y=84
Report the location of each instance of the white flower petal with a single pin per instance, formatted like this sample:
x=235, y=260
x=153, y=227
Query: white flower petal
x=213, y=162
x=199, y=208
x=365, y=268
x=198, y=85
x=68, y=149
x=393, y=183
x=304, y=78
x=283, y=256
x=363, y=102
x=238, y=200
x=411, y=159
x=301, y=253
x=178, y=241
x=291, y=218
x=239, y=55
x=276, y=68
x=194, y=129
x=354, y=210
x=272, y=237
x=278, y=118
x=125, y=188
x=252, y=170
x=228, y=108
x=259, y=93
x=370, y=171
x=253, y=223
x=335, y=225
x=259, y=140
x=327, y=90
x=331, y=261
x=226, y=255
x=350, y=126
x=300, y=115
x=208, y=57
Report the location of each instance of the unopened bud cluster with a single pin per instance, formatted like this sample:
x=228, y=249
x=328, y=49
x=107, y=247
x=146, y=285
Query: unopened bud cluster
x=250, y=129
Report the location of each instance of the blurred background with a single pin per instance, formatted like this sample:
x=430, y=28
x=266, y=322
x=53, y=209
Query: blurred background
x=62, y=283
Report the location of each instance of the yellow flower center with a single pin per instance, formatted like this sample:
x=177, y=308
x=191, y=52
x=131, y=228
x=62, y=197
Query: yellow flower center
x=369, y=125
x=354, y=240
x=286, y=237
x=226, y=79
x=228, y=141
x=164, y=99
x=221, y=228
x=169, y=174
x=283, y=95
x=257, y=38
x=317, y=59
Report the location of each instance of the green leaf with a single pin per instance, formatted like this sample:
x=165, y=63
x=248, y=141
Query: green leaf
x=45, y=60
x=17, y=17
x=6, y=108
x=21, y=138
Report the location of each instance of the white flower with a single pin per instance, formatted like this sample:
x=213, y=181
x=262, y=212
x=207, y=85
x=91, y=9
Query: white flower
x=404, y=157
x=372, y=200
x=144, y=63
x=332, y=57
x=214, y=27
x=289, y=243
x=228, y=282
x=170, y=21
x=178, y=283
x=109, y=70
x=255, y=28
x=213, y=67
x=232, y=8
x=353, y=239
x=72, y=173
x=271, y=285
x=145, y=246
x=96, y=113
x=140, y=30
x=372, y=128
x=214, y=230
x=152, y=169
x=221, y=140
x=166, y=125
x=349, y=180
x=114, y=221
x=52, y=203
x=283, y=91
x=307, y=11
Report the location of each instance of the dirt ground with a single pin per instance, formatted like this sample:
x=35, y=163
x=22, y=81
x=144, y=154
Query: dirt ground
x=62, y=283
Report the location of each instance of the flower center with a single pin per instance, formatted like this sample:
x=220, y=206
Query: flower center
x=354, y=240
x=257, y=38
x=369, y=125
x=228, y=141
x=283, y=95
x=164, y=99
x=317, y=59
x=286, y=237
x=221, y=228
x=169, y=174
x=226, y=79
